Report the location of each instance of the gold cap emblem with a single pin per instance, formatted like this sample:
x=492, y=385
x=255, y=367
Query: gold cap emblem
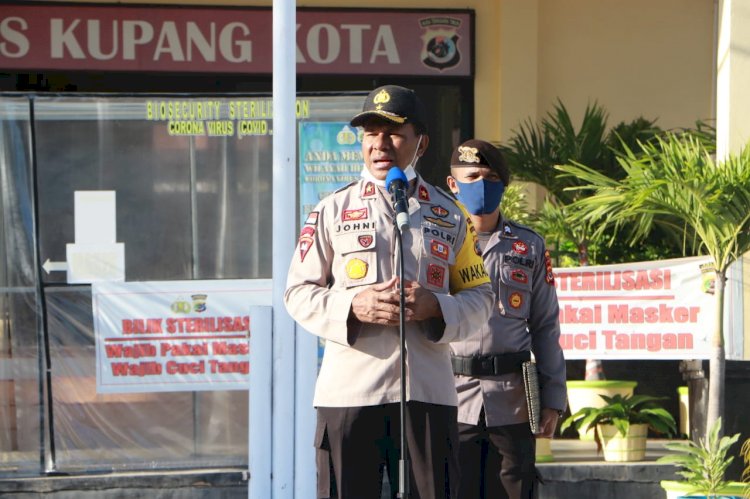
x=469, y=154
x=382, y=97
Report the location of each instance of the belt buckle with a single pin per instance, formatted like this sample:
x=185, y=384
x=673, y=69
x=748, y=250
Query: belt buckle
x=486, y=365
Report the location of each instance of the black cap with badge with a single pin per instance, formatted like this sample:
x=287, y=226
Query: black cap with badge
x=394, y=104
x=479, y=153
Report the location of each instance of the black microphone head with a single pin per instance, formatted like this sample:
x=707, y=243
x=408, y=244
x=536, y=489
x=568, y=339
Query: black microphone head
x=395, y=175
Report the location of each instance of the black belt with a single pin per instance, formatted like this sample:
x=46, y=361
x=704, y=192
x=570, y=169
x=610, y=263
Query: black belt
x=490, y=365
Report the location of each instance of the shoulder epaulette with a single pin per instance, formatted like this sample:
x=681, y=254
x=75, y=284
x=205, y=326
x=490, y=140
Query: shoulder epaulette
x=346, y=186
x=444, y=193
x=522, y=227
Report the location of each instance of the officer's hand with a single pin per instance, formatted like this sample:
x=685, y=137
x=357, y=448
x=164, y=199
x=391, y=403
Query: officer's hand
x=422, y=303
x=548, y=423
x=378, y=304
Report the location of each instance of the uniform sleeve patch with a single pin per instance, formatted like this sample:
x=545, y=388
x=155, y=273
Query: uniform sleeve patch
x=473, y=231
x=312, y=218
x=305, y=241
x=550, y=276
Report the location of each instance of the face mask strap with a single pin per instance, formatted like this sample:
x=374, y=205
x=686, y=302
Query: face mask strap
x=413, y=161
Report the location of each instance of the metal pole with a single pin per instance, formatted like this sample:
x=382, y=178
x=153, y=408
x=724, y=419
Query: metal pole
x=403, y=464
x=283, y=242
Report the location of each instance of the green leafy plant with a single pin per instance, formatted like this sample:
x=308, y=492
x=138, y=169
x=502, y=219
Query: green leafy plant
x=705, y=463
x=622, y=411
x=675, y=182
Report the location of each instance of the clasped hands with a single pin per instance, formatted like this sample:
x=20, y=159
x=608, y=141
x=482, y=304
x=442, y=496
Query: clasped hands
x=379, y=303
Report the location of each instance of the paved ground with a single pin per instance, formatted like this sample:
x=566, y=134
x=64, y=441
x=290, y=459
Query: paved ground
x=576, y=472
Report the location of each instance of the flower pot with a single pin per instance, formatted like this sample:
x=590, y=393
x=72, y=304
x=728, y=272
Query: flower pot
x=619, y=448
x=544, y=450
x=586, y=394
x=676, y=489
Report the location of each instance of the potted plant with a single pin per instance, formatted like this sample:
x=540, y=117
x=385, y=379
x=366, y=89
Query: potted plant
x=703, y=466
x=622, y=425
x=587, y=393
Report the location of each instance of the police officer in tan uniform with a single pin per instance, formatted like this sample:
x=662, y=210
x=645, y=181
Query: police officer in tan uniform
x=497, y=451
x=342, y=286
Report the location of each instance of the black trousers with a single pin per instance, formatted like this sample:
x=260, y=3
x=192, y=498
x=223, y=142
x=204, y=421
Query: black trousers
x=355, y=446
x=497, y=462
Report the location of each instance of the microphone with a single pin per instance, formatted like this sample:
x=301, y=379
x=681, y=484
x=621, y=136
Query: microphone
x=396, y=184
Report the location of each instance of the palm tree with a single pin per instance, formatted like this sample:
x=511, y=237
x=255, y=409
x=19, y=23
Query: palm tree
x=534, y=151
x=675, y=183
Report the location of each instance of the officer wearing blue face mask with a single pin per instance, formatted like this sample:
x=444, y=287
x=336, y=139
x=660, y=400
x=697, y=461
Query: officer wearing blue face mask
x=497, y=446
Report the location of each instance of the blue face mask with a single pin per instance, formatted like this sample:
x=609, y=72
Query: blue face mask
x=481, y=197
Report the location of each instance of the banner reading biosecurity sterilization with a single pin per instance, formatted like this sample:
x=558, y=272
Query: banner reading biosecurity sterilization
x=648, y=310
x=175, y=336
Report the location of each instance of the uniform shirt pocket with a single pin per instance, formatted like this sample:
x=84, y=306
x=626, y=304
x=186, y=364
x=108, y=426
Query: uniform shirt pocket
x=359, y=263
x=514, y=291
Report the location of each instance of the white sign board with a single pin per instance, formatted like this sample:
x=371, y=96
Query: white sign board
x=648, y=310
x=175, y=336
x=96, y=256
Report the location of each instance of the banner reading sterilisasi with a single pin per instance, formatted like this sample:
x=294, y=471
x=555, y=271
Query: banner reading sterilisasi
x=176, y=335
x=648, y=310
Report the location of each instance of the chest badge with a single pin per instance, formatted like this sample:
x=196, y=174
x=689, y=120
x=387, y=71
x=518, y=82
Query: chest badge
x=439, y=249
x=519, y=275
x=520, y=247
x=365, y=241
x=435, y=275
x=515, y=300
x=439, y=211
x=440, y=222
x=356, y=214
x=356, y=268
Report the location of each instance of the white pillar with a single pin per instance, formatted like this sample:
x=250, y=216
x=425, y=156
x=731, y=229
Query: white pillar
x=283, y=240
x=732, y=77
